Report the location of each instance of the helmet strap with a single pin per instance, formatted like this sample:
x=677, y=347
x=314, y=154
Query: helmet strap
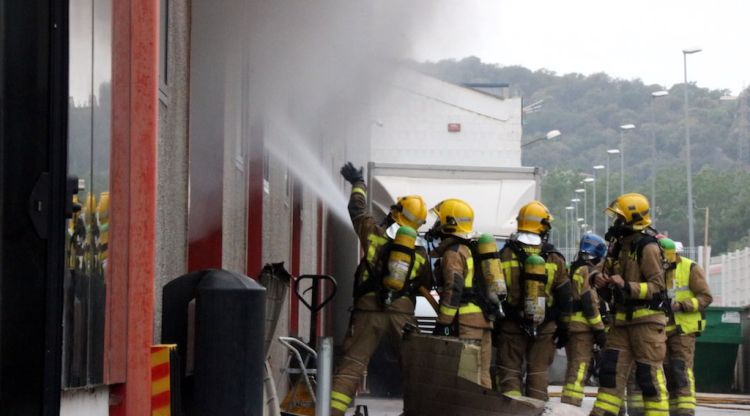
x=618, y=230
x=545, y=236
x=387, y=221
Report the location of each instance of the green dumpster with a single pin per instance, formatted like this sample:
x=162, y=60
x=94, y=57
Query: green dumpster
x=716, y=350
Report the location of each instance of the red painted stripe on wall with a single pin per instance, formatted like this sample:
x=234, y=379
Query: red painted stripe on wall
x=255, y=196
x=206, y=136
x=296, y=255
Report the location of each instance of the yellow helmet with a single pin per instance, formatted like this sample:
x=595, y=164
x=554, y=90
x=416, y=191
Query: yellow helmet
x=535, y=218
x=455, y=217
x=632, y=208
x=410, y=211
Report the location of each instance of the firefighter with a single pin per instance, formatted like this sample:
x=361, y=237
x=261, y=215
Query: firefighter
x=637, y=337
x=537, y=306
x=585, y=323
x=379, y=308
x=463, y=310
x=689, y=296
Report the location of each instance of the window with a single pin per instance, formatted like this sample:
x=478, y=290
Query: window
x=163, y=51
x=87, y=243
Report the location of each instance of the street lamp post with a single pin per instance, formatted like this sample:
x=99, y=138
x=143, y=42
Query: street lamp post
x=549, y=136
x=575, y=202
x=706, y=257
x=622, y=155
x=568, y=214
x=593, y=203
x=592, y=181
x=654, y=96
x=610, y=152
x=581, y=228
x=585, y=203
x=691, y=225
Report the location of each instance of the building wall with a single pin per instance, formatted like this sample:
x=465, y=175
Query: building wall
x=410, y=124
x=236, y=128
x=277, y=244
x=172, y=165
x=217, y=128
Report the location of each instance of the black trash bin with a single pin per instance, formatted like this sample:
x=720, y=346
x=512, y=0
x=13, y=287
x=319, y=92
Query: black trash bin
x=222, y=360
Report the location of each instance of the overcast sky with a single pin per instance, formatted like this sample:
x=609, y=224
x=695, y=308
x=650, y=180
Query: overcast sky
x=626, y=39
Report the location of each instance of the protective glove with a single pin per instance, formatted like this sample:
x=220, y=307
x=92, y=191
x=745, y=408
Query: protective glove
x=562, y=336
x=443, y=330
x=352, y=174
x=600, y=338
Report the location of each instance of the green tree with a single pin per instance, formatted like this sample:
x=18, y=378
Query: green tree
x=590, y=109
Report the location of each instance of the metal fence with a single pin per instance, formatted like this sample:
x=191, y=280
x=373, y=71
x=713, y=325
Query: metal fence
x=729, y=278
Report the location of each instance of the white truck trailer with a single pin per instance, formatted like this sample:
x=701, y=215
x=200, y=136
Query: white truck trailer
x=495, y=193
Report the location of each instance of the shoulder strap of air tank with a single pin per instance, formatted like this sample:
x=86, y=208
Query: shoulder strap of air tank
x=577, y=264
x=641, y=244
x=548, y=248
x=477, y=292
x=518, y=251
x=373, y=282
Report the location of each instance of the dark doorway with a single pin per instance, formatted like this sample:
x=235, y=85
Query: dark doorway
x=33, y=195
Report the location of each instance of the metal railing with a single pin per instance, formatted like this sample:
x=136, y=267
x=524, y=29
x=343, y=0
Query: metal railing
x=729, y=278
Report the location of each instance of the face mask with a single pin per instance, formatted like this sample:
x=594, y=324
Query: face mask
x=617, y=231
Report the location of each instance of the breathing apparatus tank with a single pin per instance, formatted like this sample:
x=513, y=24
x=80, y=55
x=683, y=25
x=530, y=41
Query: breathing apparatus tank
x=400, y=261
x=535, y=276
x=491, y=270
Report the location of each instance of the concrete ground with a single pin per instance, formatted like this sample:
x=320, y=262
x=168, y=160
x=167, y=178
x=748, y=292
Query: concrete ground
x=392, y=407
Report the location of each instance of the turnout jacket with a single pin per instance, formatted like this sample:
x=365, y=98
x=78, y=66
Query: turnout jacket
x=644, y=282
x=585, y=315
x=455, y=272
x=373, y=240
x=557, y=276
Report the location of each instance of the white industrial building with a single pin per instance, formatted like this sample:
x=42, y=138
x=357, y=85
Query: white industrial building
x=422, y=120
x=442, y=140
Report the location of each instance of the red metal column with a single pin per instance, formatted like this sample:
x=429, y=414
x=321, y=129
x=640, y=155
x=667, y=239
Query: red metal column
x=134, y=137
x=116, y=325
x=327, y=325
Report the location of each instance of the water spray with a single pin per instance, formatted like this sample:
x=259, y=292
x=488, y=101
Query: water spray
x=291, y=149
